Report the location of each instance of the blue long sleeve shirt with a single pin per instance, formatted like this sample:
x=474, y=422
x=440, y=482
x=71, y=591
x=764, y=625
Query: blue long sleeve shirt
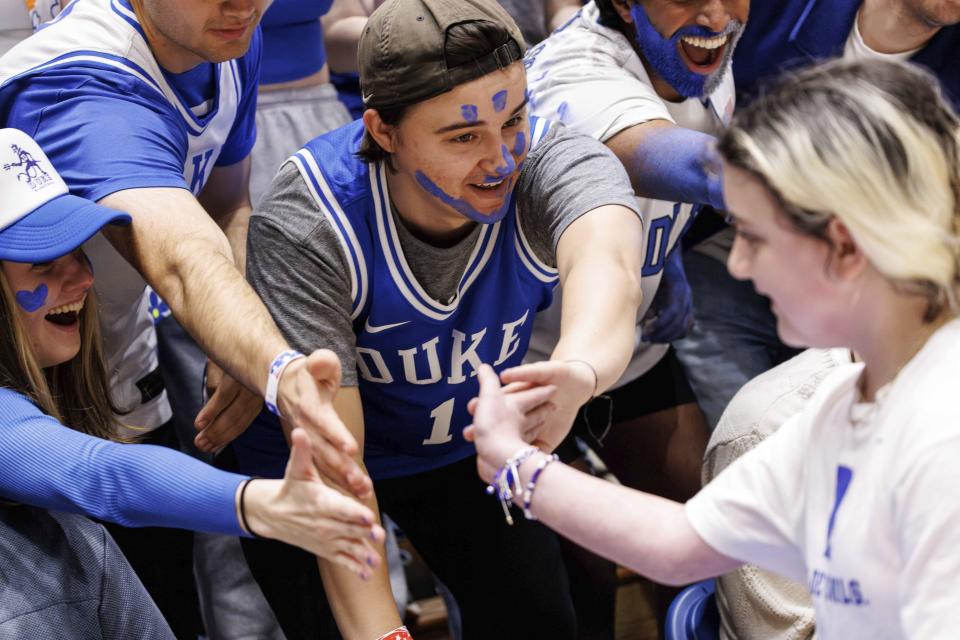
x=45, y=464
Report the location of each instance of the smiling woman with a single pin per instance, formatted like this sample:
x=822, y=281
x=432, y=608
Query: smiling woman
x=58, y=442
x=845, y=185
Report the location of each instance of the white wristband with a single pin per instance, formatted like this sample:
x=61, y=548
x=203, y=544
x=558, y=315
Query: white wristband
x=273, y=379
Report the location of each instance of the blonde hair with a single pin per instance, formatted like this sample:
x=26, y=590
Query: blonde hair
x=77, y=392
x=874, y=144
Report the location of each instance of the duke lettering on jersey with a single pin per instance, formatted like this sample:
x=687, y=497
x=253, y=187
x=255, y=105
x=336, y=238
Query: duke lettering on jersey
x=418, y=358
x=465, y=357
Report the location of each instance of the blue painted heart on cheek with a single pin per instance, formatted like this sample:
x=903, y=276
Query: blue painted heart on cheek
x=30, y=301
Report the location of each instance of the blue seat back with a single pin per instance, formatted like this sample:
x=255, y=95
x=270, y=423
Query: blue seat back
x=693, y=614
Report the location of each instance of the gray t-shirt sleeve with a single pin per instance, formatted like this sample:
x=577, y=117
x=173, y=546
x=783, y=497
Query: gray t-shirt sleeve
x=564, y=177
x=297, y=266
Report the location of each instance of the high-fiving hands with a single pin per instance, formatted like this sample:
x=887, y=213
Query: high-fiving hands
x=305, y=399
x=502, y=419
x=303, y=511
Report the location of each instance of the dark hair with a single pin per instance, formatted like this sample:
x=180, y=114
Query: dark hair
x=465, y=42
x=608, y=15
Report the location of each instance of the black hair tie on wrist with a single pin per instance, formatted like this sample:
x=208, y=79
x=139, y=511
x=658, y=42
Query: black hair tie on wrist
x=243, y=510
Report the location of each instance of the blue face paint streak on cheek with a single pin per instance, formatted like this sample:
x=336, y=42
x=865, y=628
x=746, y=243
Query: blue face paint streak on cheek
x=461, y=206
x=469, y=112
x=520, y=145
x=30, y=301
x=500, y=101
x=509, y=164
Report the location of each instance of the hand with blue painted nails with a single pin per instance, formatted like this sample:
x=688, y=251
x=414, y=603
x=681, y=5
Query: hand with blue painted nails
x=500, y=419
x=303, y=511
x=305, y=397
x=228, y=412
x=573, y=382
x=670, y=316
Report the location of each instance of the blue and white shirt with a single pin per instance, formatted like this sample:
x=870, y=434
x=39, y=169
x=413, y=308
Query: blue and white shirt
x=417, y=357
x=88, y=89
x=589, y=77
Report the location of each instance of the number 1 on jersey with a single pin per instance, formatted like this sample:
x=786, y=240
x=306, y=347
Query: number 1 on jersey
x=442, y=416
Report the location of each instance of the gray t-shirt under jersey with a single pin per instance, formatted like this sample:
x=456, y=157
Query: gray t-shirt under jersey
x=297, y=265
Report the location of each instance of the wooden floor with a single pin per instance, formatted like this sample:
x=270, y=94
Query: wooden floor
x=427, y=618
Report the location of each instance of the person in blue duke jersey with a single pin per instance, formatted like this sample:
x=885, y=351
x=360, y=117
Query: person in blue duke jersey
x=58, y=440
x=418, y=243
x=148, y=107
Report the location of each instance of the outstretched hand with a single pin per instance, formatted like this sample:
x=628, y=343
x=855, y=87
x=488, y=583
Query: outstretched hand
x=228, y=412
x=303, y=511
x=305, y=399
x=500, y=418
x=574, y=382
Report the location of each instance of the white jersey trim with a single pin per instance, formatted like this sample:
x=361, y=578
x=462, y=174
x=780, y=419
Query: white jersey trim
x=334, y=213
x=402, y=275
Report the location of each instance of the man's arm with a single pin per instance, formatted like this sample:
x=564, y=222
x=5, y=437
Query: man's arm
x=599, y=258
x=599, y=261
x=186, y=258
x=577, y=213
x=226, y=198
x=667, y=162
x=364, y=609
x=647, y=533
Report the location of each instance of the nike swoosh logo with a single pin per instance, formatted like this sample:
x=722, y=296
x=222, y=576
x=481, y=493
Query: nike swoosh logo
x=369, y=328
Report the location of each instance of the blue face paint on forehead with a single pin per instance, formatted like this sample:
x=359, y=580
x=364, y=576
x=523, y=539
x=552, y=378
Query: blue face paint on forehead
x=469, y=112
x=500, y=101
x=664, y=56
x=462, y=206
x=30, y=301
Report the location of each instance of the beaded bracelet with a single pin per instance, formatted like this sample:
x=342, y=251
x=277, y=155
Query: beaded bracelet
x=510, y=473
x=400, y=633
x=273, y=378
x=532, y=485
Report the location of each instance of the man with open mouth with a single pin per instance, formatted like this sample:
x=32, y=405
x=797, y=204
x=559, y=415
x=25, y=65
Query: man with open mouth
x=651, y=80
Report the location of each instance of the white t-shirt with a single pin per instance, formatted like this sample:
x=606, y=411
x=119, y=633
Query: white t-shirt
x=859, y=503
x=129, y=337
x=857, y=49
x=589, y=77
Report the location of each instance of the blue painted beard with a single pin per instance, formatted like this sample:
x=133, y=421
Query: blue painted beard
x=664, y=56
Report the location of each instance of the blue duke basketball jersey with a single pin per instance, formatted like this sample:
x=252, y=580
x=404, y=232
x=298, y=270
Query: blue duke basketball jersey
x=88, y=88
x=417, y=357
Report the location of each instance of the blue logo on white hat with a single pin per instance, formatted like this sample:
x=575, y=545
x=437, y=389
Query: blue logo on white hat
x=30, y=170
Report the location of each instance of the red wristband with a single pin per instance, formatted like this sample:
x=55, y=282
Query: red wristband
x=400, y=633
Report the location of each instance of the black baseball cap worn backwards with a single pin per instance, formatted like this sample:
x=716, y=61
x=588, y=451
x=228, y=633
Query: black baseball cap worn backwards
x=402, y=55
